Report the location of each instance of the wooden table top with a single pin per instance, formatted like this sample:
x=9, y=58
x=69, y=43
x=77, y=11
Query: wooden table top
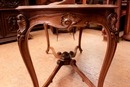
x=73, y=6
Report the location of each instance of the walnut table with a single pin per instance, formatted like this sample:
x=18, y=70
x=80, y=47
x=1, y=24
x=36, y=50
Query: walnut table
x=67, y=16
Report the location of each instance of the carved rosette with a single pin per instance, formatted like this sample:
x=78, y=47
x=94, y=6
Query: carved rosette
x=69, y=19
x=10, y=3
x=23, y=25
x=112, y=20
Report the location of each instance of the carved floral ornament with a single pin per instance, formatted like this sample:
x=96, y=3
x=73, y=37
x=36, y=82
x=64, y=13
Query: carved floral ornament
x=10, y=3
x=12, y=23
x=23, y=24
x=112, y=20
x=69, y=19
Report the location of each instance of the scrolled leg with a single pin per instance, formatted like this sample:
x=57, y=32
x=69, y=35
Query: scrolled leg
x=112, y=38
x=22, y=37
x=47, y=37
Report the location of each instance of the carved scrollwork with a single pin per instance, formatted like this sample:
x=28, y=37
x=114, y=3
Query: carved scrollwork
x=112, y=20
x=69, y=19
x=10, y=3
x=23, y=24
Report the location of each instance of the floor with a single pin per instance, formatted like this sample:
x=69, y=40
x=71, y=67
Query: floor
x=13, y=72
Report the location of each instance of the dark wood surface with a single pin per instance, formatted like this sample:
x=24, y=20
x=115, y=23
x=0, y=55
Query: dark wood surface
x=8, y=23
x=67, y=16
x=126, y=34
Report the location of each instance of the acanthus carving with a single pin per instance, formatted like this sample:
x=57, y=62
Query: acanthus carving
x=12, y=23
x=69, y=19
x=23, y=25
x=10, y=3
x=112, y=20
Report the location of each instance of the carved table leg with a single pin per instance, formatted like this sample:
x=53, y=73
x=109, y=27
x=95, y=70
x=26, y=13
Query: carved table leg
x=79, y=43
x=48, y=42
x=112, y=38
x=27, y=60
x=108, y=59
x=47, y=37
x=104, y=34
x=22, y=37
